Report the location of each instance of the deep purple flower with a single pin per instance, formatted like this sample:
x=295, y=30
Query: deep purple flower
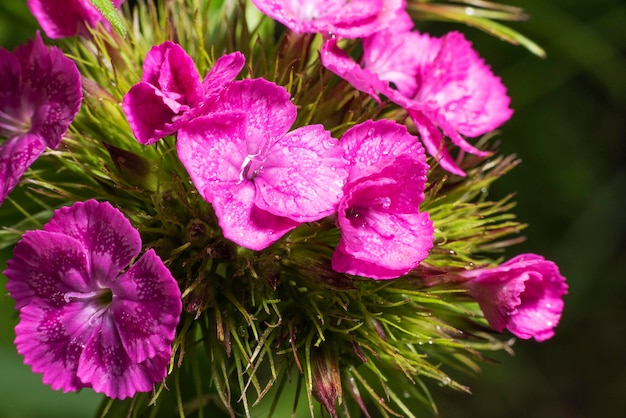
x=343, y=18
x=523, y=295
x=40, y=94
x=171, y=92
x=383, y=233
x=442, y=82
x=261, y=180
x=61, y=19
x=87, y=319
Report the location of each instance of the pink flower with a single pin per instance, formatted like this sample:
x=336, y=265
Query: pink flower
x=261, y=180
x=40, y=94
x=343, y=18
x=442, y=82
x=383, y=233
x=524, y=295
x=171, y=92
x=61, y=19
x=86, y=318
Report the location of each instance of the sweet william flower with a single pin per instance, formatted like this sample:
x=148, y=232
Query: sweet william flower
x=171, y=92
x=61, y=19
x=343, y=18
x=261, y=179
x=523, y=295
x=87, y=319
x=442, y=82
x=40, y=94
x=383, y=233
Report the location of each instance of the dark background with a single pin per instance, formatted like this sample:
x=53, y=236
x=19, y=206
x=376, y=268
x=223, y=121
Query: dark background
x=569, y=129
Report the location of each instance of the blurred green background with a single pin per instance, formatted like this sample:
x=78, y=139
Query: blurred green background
x=569, y=128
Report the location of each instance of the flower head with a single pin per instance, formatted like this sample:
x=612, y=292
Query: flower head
x=61, y=19
x=523, y=295
x=442, y=82
x=86, y=318
x=383, y=233
x=261, y=180
x=171, y=91
x=40, y=94
x=347, y=19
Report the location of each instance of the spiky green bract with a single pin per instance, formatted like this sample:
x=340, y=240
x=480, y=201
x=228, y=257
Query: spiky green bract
x=276, y=330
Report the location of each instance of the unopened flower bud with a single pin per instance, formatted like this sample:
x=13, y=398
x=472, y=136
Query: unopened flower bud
x=326, y=379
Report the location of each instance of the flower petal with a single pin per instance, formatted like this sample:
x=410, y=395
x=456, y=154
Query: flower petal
x=45, y=267
x=170, y=94
x=373, y=145
x=462, y=89
x=267, y=107
x=52, y=340
x=49, y=93
x=224, y=71
x=146, y=308
x=170, y=69
x=67, y=20
x=244, y=223
x=432, y=138
x=391, y=56
x=340, y=63
x=353, y=19
x=149, y=115
x=302, y=175
x=105, y=365
x=16, y=155
x=213, y=149
x=381, y=227
x=108, y=237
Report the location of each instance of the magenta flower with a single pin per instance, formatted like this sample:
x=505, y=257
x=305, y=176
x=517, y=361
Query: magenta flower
x=344, y=18
x=61, y=19
x=87, y=319
x=261, y=180
x=442, y=82
x=40, y=94
x=383, y=233
x=171, y=92
x=523, y=295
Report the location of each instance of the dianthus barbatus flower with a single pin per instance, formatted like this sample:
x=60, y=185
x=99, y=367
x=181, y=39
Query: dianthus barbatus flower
x=40, y=94
x=61, y=19
x=383, y=233
x=261, y=180
x=86, y=318
x=344, y=18
x=523, y=295
x=441, y=82
x=171, y=91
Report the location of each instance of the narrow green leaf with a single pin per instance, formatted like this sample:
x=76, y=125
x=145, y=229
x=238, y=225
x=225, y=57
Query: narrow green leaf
x=478, y=18
x=108, y=11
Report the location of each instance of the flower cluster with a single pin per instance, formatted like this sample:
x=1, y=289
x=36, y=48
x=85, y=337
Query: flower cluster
x=279, y=198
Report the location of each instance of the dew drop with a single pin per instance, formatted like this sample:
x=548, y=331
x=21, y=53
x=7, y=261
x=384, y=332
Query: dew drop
x=386, y=202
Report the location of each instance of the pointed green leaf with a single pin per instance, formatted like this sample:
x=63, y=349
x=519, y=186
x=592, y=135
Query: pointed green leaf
x=108, y=11
x=478, y=18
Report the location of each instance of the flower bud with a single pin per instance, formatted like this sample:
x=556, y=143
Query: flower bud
x=326, y=379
